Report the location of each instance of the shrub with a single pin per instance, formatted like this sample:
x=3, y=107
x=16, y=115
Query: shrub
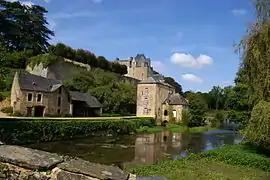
x=185, y=118
x=1, y=97
x=15, y=131
x=258, y=127
x=7, y=110
x=217, y=120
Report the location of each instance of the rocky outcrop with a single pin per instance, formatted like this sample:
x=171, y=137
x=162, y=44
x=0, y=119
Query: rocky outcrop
x=19, y=163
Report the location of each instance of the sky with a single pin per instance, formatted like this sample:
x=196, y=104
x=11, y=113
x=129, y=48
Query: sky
x=189, y=40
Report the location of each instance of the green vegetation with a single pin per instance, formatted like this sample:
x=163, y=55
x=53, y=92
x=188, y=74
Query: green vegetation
x=234, y=162
x=174, y=128
x=16, y=131
x=258, y=127
x=115, y=96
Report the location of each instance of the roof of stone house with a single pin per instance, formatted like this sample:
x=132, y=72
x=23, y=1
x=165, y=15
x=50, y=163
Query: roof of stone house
x=90, y=100
x=176, y=99
x=155, y=80
x=33, y=82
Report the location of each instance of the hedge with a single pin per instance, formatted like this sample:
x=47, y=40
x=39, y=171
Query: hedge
x=14, y=131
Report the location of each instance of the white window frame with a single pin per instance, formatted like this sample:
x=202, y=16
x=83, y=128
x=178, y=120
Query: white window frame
x=31, y=98
x=40, y=98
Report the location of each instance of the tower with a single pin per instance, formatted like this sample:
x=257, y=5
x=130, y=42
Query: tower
x=138, y=67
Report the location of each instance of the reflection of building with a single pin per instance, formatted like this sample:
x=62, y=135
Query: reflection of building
x=155, y=96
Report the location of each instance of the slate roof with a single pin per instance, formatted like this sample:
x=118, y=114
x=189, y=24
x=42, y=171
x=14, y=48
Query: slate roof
x=155, y=80
x=90, y=100
x=176, y=99
x=33, y=82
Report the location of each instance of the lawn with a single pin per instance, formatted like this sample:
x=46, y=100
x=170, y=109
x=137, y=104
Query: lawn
x=236, y=162
x=174, y=128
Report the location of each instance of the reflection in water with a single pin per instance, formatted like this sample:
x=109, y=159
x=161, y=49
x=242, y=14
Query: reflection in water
x=130, y=151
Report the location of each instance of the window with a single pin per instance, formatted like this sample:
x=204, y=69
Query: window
x=142, y=76
x=39, y=97
x=59, y=101
x=145, y=64
x=130, y=64
x=58, y=111
x=145, y=111
x=60, y=90
x=165, y=113
x=29, y=97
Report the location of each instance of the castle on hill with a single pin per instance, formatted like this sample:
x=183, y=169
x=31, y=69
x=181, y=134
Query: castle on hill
x=155, y=97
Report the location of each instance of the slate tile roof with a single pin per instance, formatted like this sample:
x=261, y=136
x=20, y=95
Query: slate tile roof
x=176, y=99
x=90, y=100
x=155, y=80
x=37, y=83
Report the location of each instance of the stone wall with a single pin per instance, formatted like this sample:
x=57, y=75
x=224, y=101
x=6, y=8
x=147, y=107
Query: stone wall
x=20, y=163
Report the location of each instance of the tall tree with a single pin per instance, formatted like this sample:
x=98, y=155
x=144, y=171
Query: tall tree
x=255, y=51
x=23, y=27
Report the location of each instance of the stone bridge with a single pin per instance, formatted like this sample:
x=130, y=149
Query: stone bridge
x=20, y=163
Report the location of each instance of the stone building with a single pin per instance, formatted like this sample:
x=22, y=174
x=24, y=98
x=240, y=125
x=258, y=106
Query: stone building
x=138, y=67
x=38, y=96
x=154, y=97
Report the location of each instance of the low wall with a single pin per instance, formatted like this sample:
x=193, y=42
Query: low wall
x=19, y=163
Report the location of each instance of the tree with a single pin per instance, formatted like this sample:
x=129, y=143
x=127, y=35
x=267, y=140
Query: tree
x=176, y=85
x=23, y=27
x=255, y=51
x=197, y=108
x=217, y=93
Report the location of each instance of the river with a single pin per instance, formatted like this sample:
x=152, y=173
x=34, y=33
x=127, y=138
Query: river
x=141, y=149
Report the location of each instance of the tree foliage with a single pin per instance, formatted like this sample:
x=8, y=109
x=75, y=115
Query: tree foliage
x=255, y=51
x=173, y=83
x=115, y=96
x=23, y=27
x=84, y=56
x=258, y=127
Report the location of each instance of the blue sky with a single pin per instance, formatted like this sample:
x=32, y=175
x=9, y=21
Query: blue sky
x=189, y=40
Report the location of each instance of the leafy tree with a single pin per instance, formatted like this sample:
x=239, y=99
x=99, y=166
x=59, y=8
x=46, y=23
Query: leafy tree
x=217, y=93
x=116, y=97
x=176, y=85
x=197, y=108
x=255, y=51
x=23, y=27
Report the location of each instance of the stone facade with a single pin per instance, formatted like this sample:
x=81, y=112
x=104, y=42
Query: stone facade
x=48, y=101
x=19, y=163
x=39, y=96
x=138, y=67
x=151, y=100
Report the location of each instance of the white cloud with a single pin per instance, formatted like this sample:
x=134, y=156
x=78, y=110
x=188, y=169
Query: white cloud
x=47, y=1
x=25, y=3
x=239, y=12
x=187, y=60
x=192, y=78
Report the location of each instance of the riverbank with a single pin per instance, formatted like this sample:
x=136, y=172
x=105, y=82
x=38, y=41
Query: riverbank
x=234, y=162
x=174, y=128
x=23, y=131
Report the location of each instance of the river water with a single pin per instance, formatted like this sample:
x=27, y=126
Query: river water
x=142, y=149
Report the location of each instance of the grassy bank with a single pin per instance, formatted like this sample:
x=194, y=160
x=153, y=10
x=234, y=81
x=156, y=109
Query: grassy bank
x=16, y=131
x=234, y=162
x=174, y=128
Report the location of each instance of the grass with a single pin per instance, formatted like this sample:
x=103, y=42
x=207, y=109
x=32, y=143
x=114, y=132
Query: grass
x=236, y=162
x=174, y=128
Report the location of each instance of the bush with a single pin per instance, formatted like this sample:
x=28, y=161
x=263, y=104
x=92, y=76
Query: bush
x=217, y=120
x=258, y=127
x=7, y=110
x=1, y=97
x=15, y=131
x=185, y=118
